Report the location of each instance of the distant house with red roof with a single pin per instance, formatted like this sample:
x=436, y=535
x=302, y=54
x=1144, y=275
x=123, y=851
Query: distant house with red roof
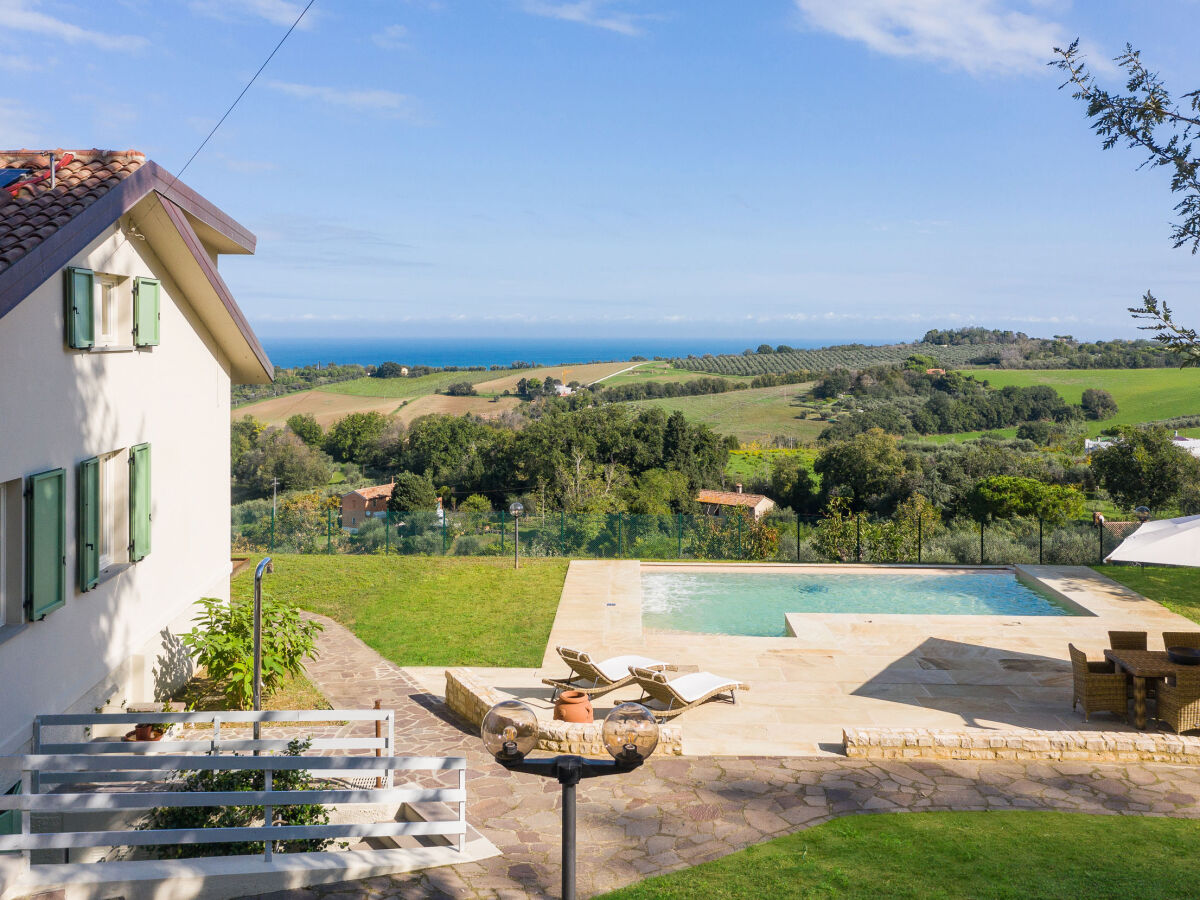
x=716, y=503
x=369, y=503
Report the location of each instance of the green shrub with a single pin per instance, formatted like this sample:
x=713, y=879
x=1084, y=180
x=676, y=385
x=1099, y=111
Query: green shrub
x=163, y=817
x=223, y=643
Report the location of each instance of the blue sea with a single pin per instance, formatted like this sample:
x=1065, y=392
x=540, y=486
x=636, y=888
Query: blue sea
x=438, y=351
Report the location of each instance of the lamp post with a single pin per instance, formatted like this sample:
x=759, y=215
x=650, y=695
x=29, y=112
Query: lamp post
x=515, y=509
x=510, y=732
x=263, y=566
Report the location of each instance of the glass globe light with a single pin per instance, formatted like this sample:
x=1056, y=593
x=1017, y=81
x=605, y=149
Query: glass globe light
x=1142, y=512
x=516, y=508
x=630, y=733
x=509, y=730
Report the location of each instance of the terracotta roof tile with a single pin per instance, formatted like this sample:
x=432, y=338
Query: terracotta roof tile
x=37, y=210
x=730, y=498
x=370, y=493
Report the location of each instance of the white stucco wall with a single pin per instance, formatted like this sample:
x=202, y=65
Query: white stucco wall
x=60, y=406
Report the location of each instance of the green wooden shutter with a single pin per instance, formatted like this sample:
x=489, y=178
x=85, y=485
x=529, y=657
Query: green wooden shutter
x=10, y=819
x=79, y=294
x=46, y=543
x=145, y=312
x=88, y=549
x=139, y=502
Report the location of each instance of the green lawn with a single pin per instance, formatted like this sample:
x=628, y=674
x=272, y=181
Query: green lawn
x=664, y=371
x=426, y=611
x=749, y=464
x=933, y=856
x=757, y=414
x=1178, y=589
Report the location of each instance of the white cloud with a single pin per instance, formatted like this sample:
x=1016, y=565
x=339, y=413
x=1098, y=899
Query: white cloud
x=596, y=13
x=386, y=103
x=23, y=15
x=20, y=126
x=277, y=12
x=975, y=35
x=393, y=37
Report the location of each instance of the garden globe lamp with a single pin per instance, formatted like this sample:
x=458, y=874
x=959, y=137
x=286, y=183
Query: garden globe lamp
x=510, y=730
x=1142, y=513
x=516, y=509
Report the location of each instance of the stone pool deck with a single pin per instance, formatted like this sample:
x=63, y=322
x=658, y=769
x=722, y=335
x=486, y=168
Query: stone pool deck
x=940, y=673
x=674, y=813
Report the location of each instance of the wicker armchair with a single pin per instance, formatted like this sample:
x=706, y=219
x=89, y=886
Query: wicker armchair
x=1179, y=700
x=1098, y=686
x=1181, y=639
x=1127, y=640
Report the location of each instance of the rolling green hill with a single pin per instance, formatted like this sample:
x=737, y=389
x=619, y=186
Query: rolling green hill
x=757, y=414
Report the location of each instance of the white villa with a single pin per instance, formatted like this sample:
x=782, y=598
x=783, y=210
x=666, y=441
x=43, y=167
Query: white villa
x=118, y=343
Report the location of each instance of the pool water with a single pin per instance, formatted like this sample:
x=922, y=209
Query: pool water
x=754, y=603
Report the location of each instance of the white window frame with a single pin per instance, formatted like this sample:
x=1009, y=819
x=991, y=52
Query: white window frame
x=114, y=509
x=106, y=300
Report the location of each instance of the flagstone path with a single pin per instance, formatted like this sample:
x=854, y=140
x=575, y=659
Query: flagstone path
x=676, y=812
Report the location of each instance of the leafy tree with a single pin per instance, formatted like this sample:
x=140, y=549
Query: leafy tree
x=389, y=370
x=478, y=510
x=791, y=483
x=281, y=455
x=1146, y=118
x=1144, y=467
x=870, y=469
x=1007, y=496
x=353, y=438
x=305, y=427
x=243, y=437
x=765, y=348
x=1098, y=403
x=412, y=493
x=461, y=389
x=658, y=492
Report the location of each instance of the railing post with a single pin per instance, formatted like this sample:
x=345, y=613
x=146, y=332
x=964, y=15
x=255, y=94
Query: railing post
x=26, y=815
x=391, y=743
x=462, y=808
x=378, y=734
x=268, y=817
x=216, y=738
x=36, y=783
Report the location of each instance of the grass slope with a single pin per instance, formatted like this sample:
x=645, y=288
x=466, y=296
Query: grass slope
x=939, y=855
x=757, y=414
x=407, y=388
x=665, y=372
x=1178, y=589
x=426, y=611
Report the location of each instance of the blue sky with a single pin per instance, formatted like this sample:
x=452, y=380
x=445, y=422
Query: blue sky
x=782, y=170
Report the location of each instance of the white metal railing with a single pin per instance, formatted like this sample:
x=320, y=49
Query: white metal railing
x=150, y=768
x=142, y=768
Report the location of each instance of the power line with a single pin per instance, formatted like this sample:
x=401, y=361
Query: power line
x=233, y=105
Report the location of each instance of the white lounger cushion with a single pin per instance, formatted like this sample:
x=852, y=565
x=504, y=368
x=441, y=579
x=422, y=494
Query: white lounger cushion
x=694, y=686
x=617, y=667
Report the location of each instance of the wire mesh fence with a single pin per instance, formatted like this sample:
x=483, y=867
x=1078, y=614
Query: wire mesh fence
x=781, y=537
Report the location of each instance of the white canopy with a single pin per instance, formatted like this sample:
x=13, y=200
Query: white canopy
x=1167, y=542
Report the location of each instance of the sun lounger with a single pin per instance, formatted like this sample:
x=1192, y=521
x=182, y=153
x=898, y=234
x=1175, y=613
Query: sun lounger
x=669, y=698
x=596, y=678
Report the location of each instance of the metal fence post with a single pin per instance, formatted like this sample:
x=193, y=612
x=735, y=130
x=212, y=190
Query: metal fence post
x=1100, y=528
x=679, y=533
x=858, y=538
x=620, y=552
x=272, y=529
x=329, y=531
x=1039, y=540
x=797, y=538
x=501, y=532
x=981, y=542
x=919, y=518
x=443, y=532
x=268, y=817
x=387, y=531
x=562, y=532
x=741, y=552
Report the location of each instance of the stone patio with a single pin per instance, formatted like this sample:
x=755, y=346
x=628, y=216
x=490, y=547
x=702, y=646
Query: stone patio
x=677, y=812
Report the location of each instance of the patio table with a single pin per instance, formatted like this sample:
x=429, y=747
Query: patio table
x=1142, y=664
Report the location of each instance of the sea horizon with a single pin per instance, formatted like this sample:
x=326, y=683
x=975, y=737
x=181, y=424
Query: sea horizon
x=291, y=352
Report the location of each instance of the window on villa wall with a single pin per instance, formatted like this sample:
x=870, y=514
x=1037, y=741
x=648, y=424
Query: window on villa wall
x=113, y=512
x=109, y=312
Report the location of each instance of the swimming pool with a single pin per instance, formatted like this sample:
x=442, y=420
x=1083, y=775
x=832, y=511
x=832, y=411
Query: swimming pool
x=754, y=603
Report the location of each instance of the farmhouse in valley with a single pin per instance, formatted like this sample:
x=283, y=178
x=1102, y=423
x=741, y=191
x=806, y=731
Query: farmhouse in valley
x=118, y=342
x=720, y=502
x=369, y=503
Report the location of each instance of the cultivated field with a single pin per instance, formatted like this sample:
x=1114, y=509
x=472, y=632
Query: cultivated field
x=440, y=404
x=758, y=414
x=585, y=373
x=325, y=407
x=664, y=372
x=407, y=388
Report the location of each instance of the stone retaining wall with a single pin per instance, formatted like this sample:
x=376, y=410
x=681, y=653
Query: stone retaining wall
x=1108, y=746
x=470, y=699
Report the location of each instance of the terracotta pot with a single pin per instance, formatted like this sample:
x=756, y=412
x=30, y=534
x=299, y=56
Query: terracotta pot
x=146, y=733
x=573, y=706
